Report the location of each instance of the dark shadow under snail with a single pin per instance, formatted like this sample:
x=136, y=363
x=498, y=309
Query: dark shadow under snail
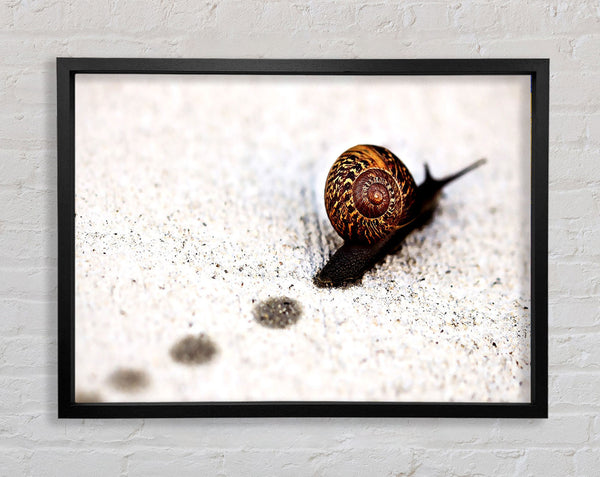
x=373, y=203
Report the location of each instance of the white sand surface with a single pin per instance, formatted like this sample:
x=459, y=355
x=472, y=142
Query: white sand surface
x=197, y=197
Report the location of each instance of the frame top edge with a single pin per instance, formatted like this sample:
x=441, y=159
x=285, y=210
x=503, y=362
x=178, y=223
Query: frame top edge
x=364, y=66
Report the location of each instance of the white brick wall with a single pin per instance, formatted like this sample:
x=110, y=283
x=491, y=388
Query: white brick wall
x=34, y=442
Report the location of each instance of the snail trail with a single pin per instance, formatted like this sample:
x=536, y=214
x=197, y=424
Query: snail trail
x=88, y=396
x=193, y=350
x=370, y=237
x=278, y=312
x=129, y=380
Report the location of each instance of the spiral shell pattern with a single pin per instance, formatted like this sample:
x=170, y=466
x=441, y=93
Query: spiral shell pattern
x=369, y=193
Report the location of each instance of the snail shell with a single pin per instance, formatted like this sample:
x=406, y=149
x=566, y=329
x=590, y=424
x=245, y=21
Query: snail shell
x=369, y=193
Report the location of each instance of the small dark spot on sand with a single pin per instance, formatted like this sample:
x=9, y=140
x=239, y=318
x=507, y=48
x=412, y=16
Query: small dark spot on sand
x=87, y=396
x=130, y=380
x=279, y=312
x=494, y=344
x=193, y=349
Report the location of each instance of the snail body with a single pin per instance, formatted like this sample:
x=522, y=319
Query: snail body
x=373, y=203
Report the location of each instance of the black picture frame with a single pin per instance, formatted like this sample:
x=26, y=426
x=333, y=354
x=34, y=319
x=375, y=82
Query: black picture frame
x=68, y=68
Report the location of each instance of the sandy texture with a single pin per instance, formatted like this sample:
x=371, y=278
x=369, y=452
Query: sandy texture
x=197, y=198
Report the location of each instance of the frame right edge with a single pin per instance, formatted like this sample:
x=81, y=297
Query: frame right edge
x=540, y=88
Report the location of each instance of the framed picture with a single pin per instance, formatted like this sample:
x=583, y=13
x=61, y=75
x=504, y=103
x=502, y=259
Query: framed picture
x=302, y=237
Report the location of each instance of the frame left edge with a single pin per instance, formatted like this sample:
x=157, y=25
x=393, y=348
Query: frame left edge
x=65, y=112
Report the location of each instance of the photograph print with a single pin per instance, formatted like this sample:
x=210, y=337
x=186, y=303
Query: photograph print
x=286, y=238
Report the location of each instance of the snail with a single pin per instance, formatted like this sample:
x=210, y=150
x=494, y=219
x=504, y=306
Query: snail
x=373, y=203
